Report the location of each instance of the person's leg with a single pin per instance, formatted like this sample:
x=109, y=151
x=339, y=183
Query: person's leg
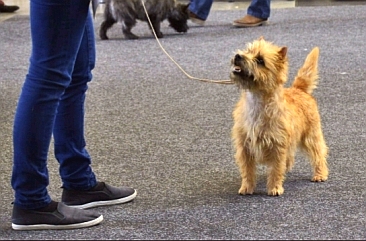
x=257, y=14
x=199, y=10
x=260, y=9
x=56, y=29
x=68, y=131
x=80, y=187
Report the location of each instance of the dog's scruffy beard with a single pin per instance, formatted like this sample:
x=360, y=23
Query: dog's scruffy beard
x=240, y=73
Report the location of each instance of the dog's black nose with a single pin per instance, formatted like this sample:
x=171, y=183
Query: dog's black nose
x=238, y=58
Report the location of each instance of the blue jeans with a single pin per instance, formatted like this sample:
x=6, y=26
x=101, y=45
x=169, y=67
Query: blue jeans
x=260, y=9
x=52, y=101
x=201, y=8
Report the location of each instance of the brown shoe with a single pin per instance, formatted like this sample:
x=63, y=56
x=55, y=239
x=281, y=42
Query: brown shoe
x=249, y=21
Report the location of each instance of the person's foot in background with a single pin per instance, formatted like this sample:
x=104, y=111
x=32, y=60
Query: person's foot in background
x=7, y=8
x=249, y=21
x=195, y=19
x=199, y=11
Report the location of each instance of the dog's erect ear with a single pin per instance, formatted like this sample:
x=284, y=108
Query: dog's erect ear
x=261, y=38
x=283, y=52
x=185, y=7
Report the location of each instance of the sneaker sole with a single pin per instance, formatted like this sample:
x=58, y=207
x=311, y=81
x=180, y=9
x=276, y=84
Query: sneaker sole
x=198, y=21
x=246, y=25
x=50, y=226
x=105, y=203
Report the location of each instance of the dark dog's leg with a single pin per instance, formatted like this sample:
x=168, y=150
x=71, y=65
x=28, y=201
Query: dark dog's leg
x=127, y=25
x=106, y=24
x=156, y=25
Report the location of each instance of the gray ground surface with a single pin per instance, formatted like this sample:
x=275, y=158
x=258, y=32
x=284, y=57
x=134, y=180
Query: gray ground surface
x=150, y=127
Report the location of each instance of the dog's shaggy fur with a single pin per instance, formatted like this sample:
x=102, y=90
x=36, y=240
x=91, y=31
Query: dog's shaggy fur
x=271, y=121
x=129, y=11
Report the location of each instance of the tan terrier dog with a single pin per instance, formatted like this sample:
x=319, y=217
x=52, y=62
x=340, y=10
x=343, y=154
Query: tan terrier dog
x=271, y=121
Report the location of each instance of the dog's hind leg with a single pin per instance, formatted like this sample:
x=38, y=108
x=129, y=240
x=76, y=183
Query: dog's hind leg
x=127, y=25
x=106, y=24
x=290, y=161
x=316, y=149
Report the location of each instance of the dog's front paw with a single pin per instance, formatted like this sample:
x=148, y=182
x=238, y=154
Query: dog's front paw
x=319, y=178
x=276, y=191
x=129, y=35
x=159, y=35
x=244, y=189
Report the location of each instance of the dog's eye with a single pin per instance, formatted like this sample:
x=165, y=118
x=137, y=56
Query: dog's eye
x=260, y=60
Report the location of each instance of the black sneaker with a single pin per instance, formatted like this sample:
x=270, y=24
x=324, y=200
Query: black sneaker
x=62, y=217
x=101, y=195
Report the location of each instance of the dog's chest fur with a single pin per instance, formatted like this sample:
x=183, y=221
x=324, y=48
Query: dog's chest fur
x=264, y=125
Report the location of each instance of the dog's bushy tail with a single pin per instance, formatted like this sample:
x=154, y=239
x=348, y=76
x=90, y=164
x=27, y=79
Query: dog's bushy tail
x=307, y=76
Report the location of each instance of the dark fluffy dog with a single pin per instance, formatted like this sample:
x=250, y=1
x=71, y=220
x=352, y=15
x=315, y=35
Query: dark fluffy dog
x=128, y=11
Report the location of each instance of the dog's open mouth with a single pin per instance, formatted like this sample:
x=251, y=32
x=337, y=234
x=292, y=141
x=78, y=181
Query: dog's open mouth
x=236, y=69
x=241, y=72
